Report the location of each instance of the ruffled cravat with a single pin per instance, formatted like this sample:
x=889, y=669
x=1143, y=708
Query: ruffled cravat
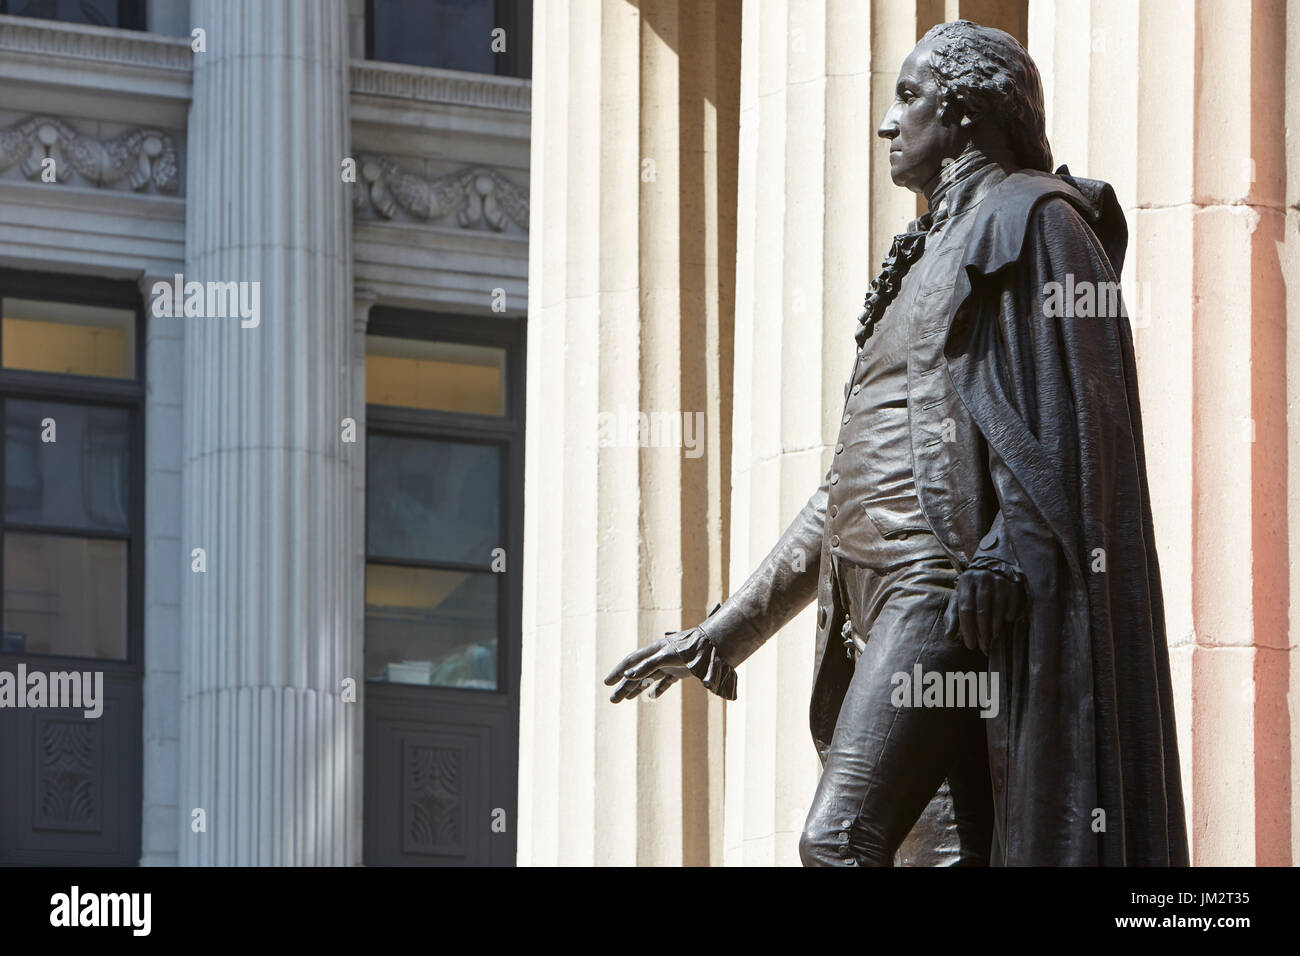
x=908, y=246
x=903, y=252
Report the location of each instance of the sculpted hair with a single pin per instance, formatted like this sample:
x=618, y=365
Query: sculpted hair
x=990, y=72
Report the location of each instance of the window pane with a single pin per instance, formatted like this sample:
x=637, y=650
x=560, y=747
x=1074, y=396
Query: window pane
x=69, y=339
x=102, y=13
x=436, y=628
x=79, y=480
x=432, y=500
x=451, y=34
x=64, y=596
x=435, y=375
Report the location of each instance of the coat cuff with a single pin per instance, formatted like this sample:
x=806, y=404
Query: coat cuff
x=703, y=660
x=991, y=562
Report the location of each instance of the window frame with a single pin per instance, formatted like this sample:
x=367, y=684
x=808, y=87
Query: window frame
x=507, y=14
x=131, y=15
x=94, y=392
x=505, y=432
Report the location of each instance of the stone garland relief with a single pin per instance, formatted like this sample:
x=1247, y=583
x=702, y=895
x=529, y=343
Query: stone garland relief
x=477, y=196
x=136, y=158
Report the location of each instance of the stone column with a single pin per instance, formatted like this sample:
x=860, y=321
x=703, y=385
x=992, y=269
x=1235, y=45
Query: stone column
x=629, y=312
x=1289, y=253
x=1184, y=108
x=267, y=745
x=162, y=582
x=802, y=268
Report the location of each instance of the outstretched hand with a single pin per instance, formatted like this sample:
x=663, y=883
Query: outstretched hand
x=985, y=608
x=658, y=661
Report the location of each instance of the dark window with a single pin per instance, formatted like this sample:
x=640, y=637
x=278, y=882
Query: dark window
x=478, y=36
x=442, y=490
x=443, y=608
x=71, y=581
x=127, y=14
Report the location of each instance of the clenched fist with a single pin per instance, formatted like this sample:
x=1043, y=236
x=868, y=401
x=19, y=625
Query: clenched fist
x=985, y=607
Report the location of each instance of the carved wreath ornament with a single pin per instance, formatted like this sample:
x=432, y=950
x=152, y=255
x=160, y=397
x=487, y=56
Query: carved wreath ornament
x=475, y=196
x=137, y=157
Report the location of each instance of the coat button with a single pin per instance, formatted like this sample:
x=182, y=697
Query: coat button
x=846, y=419
x=835, y=479
x=835, y=541
x=839, y=448
x=835, y=509
x=857, y=388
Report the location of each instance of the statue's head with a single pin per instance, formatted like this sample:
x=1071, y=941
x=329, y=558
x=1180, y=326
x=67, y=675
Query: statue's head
x=964, y=84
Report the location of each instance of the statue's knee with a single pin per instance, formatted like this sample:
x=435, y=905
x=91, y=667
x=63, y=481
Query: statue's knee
x=821, y=847
x=810, y=850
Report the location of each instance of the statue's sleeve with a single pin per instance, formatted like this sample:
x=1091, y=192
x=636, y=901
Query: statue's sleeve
x=784, y=583
x=996, y=551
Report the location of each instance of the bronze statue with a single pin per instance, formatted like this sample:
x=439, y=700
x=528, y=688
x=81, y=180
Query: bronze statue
x=991, y=652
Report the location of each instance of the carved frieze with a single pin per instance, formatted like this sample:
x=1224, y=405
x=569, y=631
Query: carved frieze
x=478, y=197
x=137, y=159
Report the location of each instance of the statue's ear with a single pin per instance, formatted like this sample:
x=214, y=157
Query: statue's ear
x=954, y=109
x=969, y=115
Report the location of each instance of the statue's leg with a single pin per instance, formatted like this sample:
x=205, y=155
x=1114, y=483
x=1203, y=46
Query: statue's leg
x=956, y=826
x=889, y=756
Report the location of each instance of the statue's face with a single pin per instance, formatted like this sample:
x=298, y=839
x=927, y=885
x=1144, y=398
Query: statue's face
x=918, y=140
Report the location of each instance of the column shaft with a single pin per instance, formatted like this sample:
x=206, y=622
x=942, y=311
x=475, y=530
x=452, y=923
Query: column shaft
x=268, y=747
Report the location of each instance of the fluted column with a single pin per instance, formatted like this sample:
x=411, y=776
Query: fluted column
x=629, y=260
x=802, y=268
x=1138, y=96
x=268, y=746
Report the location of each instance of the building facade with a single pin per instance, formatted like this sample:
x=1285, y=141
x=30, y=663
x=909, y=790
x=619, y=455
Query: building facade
x=280, y=514
x=352, y=495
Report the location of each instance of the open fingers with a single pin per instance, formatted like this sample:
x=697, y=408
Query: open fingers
x=662, y=686
x=628, y=689
x=638, y=655
x=665, y=655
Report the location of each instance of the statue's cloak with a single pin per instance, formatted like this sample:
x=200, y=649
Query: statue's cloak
x=1083, y=751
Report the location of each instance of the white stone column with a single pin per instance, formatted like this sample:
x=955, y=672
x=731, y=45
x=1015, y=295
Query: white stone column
x=622, y=540
x=806, y=150
x=267, y=630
